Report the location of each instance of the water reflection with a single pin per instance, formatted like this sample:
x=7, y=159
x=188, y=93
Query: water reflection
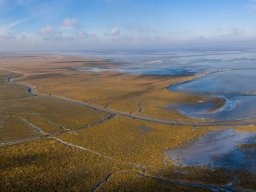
x=227, y=149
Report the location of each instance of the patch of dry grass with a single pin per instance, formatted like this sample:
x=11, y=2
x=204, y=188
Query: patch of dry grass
x=123, y=139
x=49, y=166
x=13, y=128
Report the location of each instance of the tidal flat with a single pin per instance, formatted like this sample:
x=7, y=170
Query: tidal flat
x=64, y=129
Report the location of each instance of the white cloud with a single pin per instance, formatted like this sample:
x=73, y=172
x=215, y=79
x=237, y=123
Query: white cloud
x=81, y=35
x=49, y=34
x=46, y=30
x=60, y=34
x=5, y=29
x=113, y=32
x=70, y=22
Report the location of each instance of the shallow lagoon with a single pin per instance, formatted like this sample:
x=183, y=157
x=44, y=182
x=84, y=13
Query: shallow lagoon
x=229, y=82
x=237, y=87
x=218, y=149
x=164, y=61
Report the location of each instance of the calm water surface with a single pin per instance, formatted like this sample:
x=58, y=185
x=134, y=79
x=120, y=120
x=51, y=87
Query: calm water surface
x=226, y=149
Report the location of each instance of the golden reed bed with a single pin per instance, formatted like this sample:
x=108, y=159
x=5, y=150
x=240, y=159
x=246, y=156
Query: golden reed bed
x=77, y=131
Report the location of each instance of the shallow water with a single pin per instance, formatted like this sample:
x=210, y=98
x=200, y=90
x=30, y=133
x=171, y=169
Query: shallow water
x=218, y=149
x=237, y=87
x=231, y=82
x=235, y=108
x=167, y=62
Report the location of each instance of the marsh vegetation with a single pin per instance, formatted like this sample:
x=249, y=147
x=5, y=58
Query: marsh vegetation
x=86, y=131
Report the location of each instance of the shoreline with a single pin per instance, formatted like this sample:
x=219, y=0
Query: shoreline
x=32, y=90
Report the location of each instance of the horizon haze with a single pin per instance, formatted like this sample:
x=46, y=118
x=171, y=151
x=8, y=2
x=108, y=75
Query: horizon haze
x=34, y=25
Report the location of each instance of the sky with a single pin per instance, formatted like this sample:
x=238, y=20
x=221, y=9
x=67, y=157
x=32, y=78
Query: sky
x=125, y=24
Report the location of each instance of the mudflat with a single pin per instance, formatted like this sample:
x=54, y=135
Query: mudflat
x=64, y=129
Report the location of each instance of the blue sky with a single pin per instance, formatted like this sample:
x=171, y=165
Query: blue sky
x=110, y=24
